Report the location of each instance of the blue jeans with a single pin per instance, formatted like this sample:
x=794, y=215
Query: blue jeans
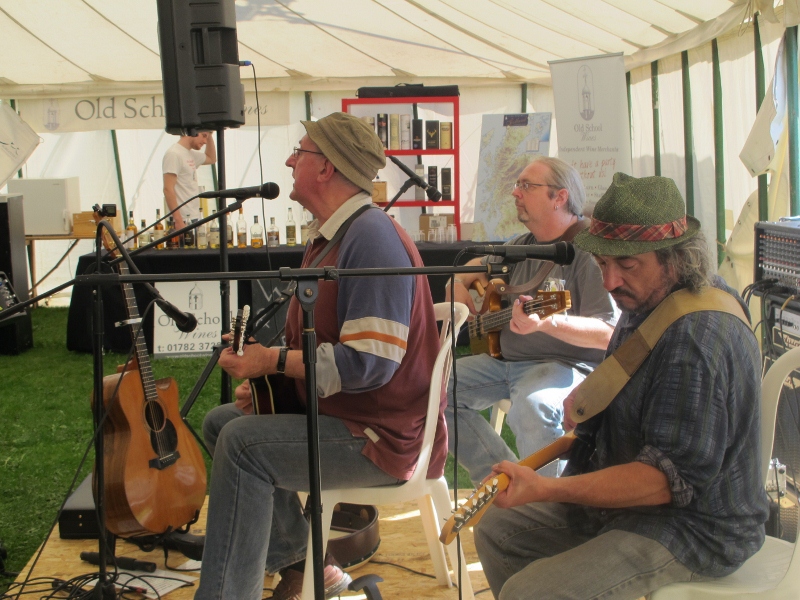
x=536, y=389
x=254, y=516
x=538, y=551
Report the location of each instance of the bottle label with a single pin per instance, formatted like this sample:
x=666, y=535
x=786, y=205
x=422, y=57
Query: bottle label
x=291, y=235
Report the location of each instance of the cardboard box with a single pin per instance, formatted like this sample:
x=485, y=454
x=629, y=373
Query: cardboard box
x=83, y=224
x=427, y=222
x=379, y=191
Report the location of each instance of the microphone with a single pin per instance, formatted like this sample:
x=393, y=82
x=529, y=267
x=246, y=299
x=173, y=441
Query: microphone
x=434, y=195
x=186, y=322
x=267, y=190
x=561, y=253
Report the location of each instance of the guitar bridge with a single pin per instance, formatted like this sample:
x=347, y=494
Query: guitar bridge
x=162, y=462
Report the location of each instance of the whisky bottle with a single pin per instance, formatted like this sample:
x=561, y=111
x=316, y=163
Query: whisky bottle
x=158, y=231
x=273, y=235
x=173, y=241
x=130, y=232
x=241, y=230
x=256, y=234
x=291, y=230
x=189, y=237
x=229, y=241
x=201, y=236
x=213, y=234
x=146, y=237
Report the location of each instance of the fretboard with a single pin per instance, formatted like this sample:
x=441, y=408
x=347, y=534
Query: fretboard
x=142, y=356
x=493, y=321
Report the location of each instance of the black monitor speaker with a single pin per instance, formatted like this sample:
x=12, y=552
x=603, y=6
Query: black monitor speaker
x=200, y=65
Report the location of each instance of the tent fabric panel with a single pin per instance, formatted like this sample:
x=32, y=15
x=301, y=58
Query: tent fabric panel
x=85, y=38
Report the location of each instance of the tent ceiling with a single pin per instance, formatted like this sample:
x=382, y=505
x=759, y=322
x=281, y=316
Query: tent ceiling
x=76, y=47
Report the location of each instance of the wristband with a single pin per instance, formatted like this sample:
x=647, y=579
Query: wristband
x=281, y=366
x=457, y=280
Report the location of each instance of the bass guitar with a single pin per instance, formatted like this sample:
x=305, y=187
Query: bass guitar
x=473, y=508
x=484, y=330
x=155, y=475
x=271, y=394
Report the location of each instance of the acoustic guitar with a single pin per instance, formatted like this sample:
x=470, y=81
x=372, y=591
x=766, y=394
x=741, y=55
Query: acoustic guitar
x=474, y=507
x=155, y=476
x=484, y=330
x=271, y=394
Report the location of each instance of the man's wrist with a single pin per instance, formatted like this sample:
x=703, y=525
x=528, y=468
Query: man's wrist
x=455, y=280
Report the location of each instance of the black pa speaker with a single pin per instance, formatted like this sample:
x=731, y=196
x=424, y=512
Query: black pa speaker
x=200, y=65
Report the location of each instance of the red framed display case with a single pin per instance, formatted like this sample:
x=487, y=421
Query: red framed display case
x=357, y=107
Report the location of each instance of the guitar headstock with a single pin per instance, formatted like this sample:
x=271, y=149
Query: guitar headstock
x=238, y=335
x=545, y=304
x=472, y=508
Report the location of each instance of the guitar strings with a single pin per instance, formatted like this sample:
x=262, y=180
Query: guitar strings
x=500, y=317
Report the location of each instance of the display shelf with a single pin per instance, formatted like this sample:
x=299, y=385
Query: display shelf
x=357, y=106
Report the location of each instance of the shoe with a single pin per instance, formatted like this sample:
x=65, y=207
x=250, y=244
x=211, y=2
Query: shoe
x=290, y=587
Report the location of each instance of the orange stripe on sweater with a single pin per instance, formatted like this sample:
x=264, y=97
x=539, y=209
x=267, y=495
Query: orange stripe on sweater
x=375, y=335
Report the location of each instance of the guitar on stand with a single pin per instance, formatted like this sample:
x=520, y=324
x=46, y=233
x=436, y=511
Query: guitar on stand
x=484, y=330
x=155, y=476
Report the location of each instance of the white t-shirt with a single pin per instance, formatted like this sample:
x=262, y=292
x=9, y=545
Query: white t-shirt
x=183, y=162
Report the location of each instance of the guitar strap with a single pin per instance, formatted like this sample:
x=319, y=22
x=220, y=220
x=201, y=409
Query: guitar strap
x=546, y=266
x=607, y=380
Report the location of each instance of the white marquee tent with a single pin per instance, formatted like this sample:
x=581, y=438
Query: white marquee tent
x=309, y=54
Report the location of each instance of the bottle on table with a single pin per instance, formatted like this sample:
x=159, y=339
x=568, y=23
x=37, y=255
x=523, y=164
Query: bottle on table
x=146, y=237
x=130, y=232
x=229, y=241
x=189, y=237
x=173, y=241
x=304, y=221
x=213, y=234
x=291, y=230
x=201, y=236
x=273, y=235
x=158, y=231
x=256, y=234
x=241, y=230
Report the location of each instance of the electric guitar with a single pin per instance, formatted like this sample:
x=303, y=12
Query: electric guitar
x=484, y=330
x=271, y=394
x=473, y=508
x=154, y=473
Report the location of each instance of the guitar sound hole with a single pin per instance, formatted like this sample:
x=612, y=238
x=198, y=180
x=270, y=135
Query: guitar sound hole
x=154, y=416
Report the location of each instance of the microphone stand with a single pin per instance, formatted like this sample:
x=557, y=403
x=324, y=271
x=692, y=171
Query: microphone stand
x=225, y=395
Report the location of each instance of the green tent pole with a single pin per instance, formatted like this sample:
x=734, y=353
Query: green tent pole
x=656, y=117
x=688, y=136
x=119, y=178
x=719, y=152
x=524, y=98
x=794, y=131
x=763, y=208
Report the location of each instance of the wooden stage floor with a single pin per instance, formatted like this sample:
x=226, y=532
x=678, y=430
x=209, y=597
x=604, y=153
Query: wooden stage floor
x=402, y=543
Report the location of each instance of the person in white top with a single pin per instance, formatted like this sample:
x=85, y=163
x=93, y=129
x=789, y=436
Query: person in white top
x=180, y=174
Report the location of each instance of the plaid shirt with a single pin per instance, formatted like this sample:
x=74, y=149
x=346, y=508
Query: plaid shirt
x=692, y=411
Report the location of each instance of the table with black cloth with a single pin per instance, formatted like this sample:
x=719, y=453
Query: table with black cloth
x=118, y=339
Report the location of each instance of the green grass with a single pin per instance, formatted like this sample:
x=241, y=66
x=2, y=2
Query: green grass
x=46, y=425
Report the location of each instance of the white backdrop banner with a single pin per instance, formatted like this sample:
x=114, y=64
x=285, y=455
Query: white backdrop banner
x=591, y=106
x=63, y=115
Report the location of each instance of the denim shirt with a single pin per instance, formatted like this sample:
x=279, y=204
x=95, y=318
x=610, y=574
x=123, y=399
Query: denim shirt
x=692, y=410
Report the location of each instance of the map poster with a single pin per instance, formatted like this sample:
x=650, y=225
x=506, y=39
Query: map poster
x=592, y=119
x=508, y=143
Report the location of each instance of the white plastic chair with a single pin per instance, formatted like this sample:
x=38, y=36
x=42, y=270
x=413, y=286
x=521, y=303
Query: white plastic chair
x=432, y=495
x=772, y=573
x=498, y=414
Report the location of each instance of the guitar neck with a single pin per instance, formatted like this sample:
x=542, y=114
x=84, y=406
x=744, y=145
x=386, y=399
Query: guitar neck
x=543, y=305
x=139, y=341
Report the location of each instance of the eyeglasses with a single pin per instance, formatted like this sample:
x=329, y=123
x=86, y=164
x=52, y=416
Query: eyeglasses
x=526, y=185
x=296, y=152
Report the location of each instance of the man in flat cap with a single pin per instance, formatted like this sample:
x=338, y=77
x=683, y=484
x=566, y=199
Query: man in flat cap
x=377, y=342
x=673, y=490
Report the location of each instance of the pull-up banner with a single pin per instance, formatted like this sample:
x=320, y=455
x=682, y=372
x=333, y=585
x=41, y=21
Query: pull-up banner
x=63, y=115
x=591, y=105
